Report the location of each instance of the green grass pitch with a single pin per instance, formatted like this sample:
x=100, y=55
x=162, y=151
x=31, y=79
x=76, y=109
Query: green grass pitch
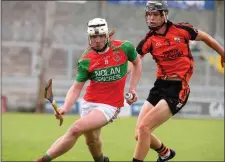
x=26, y=137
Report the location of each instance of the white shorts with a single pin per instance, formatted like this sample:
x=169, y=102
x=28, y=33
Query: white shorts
x=110, y=112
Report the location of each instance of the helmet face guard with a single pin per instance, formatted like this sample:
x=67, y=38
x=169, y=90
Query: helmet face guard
x=157, y=6
x=98, y=26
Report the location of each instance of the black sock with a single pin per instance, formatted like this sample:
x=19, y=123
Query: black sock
x=136, y=160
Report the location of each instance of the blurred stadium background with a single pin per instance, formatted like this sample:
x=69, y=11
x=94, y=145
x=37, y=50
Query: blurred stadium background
x=43, y=40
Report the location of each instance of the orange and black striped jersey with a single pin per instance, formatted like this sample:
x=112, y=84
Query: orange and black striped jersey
x=171, y=50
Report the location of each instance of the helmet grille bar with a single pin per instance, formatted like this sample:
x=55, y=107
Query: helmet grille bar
x=94, y=26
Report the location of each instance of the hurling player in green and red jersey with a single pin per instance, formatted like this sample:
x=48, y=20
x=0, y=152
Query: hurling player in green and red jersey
x=105, y=64
x=168, y=43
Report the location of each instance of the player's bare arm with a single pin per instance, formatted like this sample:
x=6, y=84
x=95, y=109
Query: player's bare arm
x=136, y=73
x=130, y=66
x=135, y=77
x=72, y=95
x=212, y=43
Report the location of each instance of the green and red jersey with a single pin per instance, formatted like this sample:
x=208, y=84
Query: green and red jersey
x=107, y=72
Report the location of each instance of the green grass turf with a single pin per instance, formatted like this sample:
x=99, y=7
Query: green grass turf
x=26, y=137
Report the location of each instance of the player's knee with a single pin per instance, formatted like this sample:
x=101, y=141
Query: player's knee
x=76, y=129
x=144, y=130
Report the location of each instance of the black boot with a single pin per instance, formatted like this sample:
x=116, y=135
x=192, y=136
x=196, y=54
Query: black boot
x=172, y=154
x=106, y=159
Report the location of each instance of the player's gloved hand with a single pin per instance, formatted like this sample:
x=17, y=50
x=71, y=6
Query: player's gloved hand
x=133, y=98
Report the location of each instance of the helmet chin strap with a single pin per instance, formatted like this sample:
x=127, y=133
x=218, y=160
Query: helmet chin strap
x=165, y=16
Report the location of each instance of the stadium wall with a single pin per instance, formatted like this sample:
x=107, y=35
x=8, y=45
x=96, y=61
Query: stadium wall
x=193, y=109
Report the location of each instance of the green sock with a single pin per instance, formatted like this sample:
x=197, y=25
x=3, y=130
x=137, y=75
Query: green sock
x=48, y=157
x=45, y=158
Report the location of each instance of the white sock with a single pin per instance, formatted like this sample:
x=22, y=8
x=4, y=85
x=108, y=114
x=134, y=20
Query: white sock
x=165, y=156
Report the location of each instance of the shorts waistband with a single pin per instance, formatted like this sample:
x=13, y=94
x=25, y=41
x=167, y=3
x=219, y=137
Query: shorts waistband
x=176, y=78
x=169, y=82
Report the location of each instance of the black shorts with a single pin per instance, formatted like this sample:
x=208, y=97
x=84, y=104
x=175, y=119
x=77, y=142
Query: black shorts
x=168, y=90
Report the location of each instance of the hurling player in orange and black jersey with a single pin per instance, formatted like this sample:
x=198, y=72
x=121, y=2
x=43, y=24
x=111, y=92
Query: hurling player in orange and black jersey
x=168, y=43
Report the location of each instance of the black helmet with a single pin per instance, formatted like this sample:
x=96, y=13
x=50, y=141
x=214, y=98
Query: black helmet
x=160, y=6
x=156, y=6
